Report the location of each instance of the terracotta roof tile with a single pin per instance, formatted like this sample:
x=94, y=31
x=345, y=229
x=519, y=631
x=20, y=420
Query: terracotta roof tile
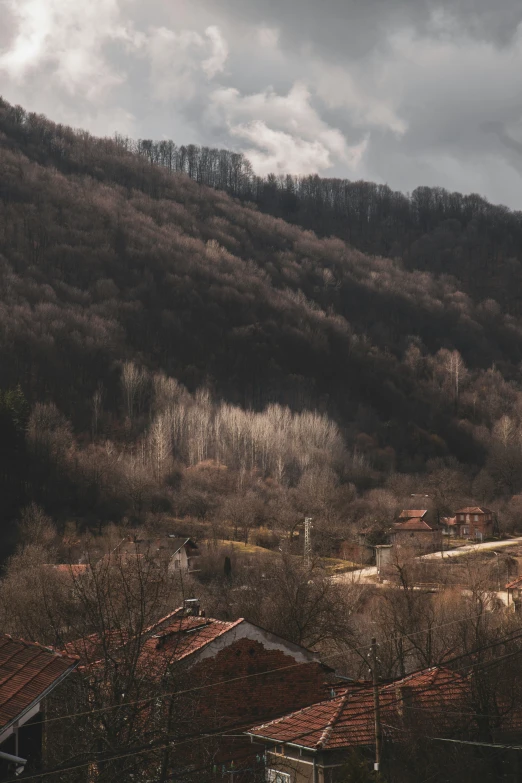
x=184, y=637
x=516, y=583
x=347, y=720
x=413, y=524
x=473, y=510
x=27, y=671
x=72, y=569
x=90, y=648
x=172, y=638
x=409, y=513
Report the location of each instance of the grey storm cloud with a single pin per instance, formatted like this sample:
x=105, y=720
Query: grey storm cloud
x=338, y=28
x=407, y=92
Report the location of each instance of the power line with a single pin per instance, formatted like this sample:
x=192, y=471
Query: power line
x=209, y=735
x=479, y=744
x=255, y=674
x=102, y=759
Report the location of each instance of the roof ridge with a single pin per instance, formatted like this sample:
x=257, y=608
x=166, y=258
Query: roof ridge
x=325, y=736
x=25, y=683
x=434, y=670
x=38, y=645
x=409, y=677
x=298, y=712
x=221, y=632
x=162, y=620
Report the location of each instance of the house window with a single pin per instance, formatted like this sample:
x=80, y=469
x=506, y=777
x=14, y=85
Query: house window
x=273, y=776
x=475, y=518
x=465, y=530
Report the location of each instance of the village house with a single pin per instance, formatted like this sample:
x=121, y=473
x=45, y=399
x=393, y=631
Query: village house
x=246, y=673
x=413, y=531
x=449, y=526
x=416, y=534
x=175, y=553
x=183, y=551
x=410, y=513
x=313, y=745
x=514, y=591
x=28, y=674
x=474, y=522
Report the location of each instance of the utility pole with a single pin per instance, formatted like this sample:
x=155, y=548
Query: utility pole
x=377, y=707
x=498, y=570
x=308, y=542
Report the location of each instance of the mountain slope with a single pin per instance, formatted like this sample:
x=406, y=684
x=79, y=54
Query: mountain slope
x=105, y=258
x=434, y=230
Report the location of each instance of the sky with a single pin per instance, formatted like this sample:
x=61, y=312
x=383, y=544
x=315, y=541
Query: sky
x=403, y=92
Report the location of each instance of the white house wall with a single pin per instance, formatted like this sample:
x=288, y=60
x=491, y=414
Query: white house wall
x=246, y=630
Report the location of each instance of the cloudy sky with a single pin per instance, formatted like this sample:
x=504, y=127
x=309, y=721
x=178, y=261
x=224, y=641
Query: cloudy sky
x=407, y=92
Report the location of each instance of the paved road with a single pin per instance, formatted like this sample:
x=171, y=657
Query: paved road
x=464, y=550
x=364, y=574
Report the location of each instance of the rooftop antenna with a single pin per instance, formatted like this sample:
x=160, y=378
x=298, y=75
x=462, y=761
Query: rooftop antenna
x=308, y=541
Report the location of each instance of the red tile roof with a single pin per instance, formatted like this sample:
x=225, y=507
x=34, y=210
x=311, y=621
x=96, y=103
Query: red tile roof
x=473, y=510
x=72, y=569
x=90, y=648
x=348, y=720
x=449, y=521
x=184, y=637
x=516, y=583
x=27, y=672
x=411, y=513
x=413, y=524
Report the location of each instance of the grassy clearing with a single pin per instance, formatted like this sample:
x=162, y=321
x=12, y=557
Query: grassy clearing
x=247, y=549
x=332, y=565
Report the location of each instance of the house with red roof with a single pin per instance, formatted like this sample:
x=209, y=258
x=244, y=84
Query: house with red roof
x=314, y=744
x=414, y=531
x=410, y=513
x=29, y=672
x=475, y=522
x=514, y=591
x=239, y=674
x=248, y=674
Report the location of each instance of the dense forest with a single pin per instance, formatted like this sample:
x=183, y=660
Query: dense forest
x=445, y=233
x=169, y=346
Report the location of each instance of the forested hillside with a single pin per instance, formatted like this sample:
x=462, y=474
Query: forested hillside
x=465, y=236
x=150, y=323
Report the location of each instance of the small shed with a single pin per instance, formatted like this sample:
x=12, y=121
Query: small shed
x=514, y=591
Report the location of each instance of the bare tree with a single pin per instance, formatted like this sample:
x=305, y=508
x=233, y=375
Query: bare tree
x=133, y=381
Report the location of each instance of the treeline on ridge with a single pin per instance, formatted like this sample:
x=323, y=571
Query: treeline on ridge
x=109, y=261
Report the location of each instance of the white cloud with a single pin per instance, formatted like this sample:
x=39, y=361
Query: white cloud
x=64, y=43
x=406, y=100
x=175, y=62
x=65, y=38
x=277, y=151
x=365, y=93
x=215, y=63
x=287, y=129
x=180, y=61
